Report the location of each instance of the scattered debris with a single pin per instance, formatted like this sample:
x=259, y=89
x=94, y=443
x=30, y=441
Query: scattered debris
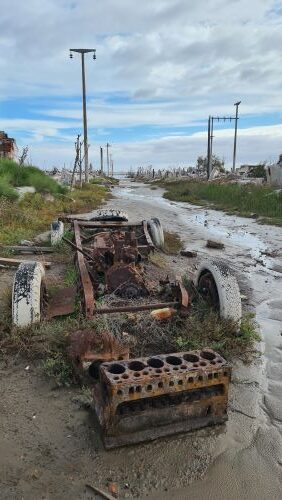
x=161, y=314
x=16, y=262
x=188, y=253
x=95, y=489
x=27, y=249
x=113, y=489
x=26, y=243
x=215, y=244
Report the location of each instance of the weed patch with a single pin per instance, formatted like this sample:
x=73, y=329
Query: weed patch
x=234, y=198
x=25, y=218
x=173, y=243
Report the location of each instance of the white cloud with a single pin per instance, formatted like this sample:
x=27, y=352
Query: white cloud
x=178, y=61
x=254, y=145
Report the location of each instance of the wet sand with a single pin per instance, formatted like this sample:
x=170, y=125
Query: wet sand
x=247, y=457
x=50, y=445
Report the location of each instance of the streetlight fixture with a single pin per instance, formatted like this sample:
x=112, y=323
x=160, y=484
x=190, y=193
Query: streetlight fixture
x=82, y=52
x=237, y=104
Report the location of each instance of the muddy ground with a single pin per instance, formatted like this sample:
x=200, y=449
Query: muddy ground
x=49, y=443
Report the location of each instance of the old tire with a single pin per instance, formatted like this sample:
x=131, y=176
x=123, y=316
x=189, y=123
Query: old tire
x=156, y=232
x=110, y=215
x=28, y=294
x=218, y=285
x=57, y=232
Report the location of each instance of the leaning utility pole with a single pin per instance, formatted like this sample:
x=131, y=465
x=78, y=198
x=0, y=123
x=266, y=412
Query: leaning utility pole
x=108, y=160
x=235, y=135
x=82, y=52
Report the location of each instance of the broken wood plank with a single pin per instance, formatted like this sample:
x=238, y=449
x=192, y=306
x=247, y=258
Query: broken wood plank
x=188, y=253
x=94, y=489
x=17, y=262
x=215, y=244
x=28, y=249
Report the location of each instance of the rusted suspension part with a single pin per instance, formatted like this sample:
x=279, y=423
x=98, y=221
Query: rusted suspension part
x=78, y=249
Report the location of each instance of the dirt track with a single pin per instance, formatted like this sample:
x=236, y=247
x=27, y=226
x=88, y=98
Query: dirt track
x=49, y=445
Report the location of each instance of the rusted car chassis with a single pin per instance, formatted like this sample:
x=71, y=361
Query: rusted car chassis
x=115, y=249
x=138, y=399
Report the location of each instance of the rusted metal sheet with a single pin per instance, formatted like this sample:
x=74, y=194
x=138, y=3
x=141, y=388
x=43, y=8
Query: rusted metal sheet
x=87, y=349
x=62, y=302
x=85, y=280
x=145, y=398
x=126, y=281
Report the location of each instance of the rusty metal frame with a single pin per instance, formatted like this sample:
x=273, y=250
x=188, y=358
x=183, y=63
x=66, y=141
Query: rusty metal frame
x=86, y=286
x=85, y=280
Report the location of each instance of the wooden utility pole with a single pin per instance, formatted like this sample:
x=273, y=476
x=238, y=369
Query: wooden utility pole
x=101, y=160
x=108, y=160
x=235, y=136
x=82, y=52
x=209, y=149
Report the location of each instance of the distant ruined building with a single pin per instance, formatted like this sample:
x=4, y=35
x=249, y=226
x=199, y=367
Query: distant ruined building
x=7, y=146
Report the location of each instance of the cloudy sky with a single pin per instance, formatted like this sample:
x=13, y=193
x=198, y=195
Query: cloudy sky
x=162, y=67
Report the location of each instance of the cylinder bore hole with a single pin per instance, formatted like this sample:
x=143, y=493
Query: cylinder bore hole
x=136, y=366
x=136, y=374
x=116, y=369
x=203, y=363
x=125, y=376
x=159, y=371
x=155, y=363
x=116, y=378
x=174, y=360
x=191, y=358
x=207, y=355
x=149, y=387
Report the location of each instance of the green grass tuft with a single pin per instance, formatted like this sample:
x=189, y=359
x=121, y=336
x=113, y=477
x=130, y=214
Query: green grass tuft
x=244, y=200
